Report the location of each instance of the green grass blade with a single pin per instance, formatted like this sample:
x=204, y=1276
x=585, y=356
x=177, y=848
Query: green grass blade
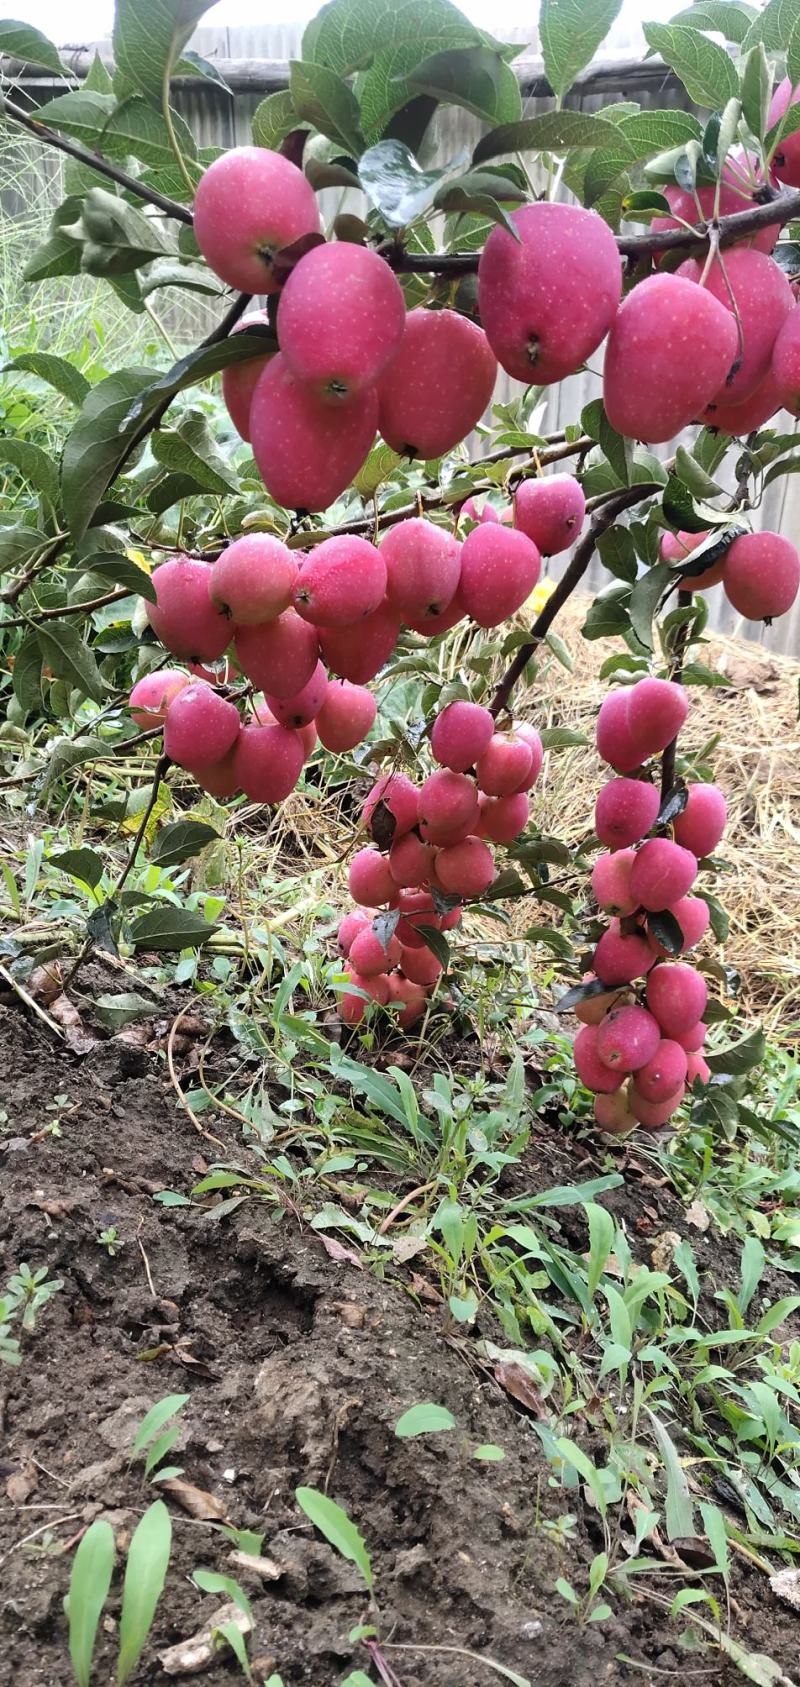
x=145, y=1573
x=88, y=1589
x=337, y=1528
x=155, y=1419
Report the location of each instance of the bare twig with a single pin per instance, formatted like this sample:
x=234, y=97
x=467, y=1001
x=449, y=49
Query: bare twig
x=96, y=161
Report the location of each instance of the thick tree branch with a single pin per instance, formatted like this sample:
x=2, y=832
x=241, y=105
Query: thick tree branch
x=73, y=149
x=582, y=556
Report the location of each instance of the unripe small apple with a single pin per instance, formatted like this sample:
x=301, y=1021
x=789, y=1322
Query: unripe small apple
x=253, y=580
x=249, y=204
x=152, y=695
x=342, y=581
x=762, y=575
x=611, y=883
x=548, y=299
x=504, y=766
x=677, y=996
x=627, y=1039
x=239, y=379
x=499, y=569
x=591, y=1070
x=613, y=1113
x=183, y=616
x=268, y=762
x=669, y=351
x=341, y=319
x=663, y=1073
x=438, y=384
x=307, y=451
x=369, y=955
x=359, y=652
x=702, y=823
x=370, y=880
x=200, y=726
x=504, y=818
x=625, y=811
x=346, y=716
x=467, y=869
x=391, y=808
x=306, y=703
x=662, y=873
x=460, y=734
x=423, y=568
x=279, y=656
x=550, y=511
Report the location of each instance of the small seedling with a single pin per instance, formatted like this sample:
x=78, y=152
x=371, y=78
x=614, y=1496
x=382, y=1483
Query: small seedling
x=111, y=1240
x=30, y=1291
x=90, y=1581
x=154, y=1441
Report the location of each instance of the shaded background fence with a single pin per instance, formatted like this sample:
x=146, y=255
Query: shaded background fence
x=254, y=62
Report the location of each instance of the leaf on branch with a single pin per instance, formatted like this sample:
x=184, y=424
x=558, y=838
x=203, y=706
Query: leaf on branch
x=171, y=929
x=321, y=98
x=116, y=236
x=673, y=804
x=120, y=570
x=580, y=993
x=397, y=185
x=349, y=35
x=704, y=68
x=60, y=254
x=274, y=119
x=97, y=443
x=645, y=598
x=21, y=41
x=551, y=131
x=27, y=675
x=571, y=32
x=82, y=115
x=181, y=841
x=473, y=77
x=135, y=128
x=56, y=371
x=739, y=1057
x=149, y=38
x=190, y=448
x=666, y=930
x=65, y=653
x=721, y=17
x=18, y=545
x=82, y=864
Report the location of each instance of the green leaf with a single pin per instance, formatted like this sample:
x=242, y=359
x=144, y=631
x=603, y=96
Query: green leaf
x=114, y=1012
x=739, y=1057
x=397, y=185
x=473, y=77
x=425, y=1419
x=181, y=841
x=665, y=929
x=96, y=444
x=722, y=17
x=616, y=448
x=64, y=651
x=171, y=929
x=149, y=37
x=61, y=252
x=82, y=864
x=135, y=128
x=693, y=476
x=337, y=1528
x=602, y=1230
x=27, y=675
x=704, y=68
x=679, y=1508
x=321, y=98
x=190, y=448
x=116, y=236
x=169, y=272
x=154, y=1420
x=56, y=371
x=18, y=545
x=145, y=1574
x=488, y=1453
x=89, y=1583
x=274, y=119
x=570, y=32
x=21, y=41
x=644, y=600
x=83, y=115
x=349, y=34
x=756, y=90
x=121, y=570
x=34, y=464
x=618, y=554
x=551, y=131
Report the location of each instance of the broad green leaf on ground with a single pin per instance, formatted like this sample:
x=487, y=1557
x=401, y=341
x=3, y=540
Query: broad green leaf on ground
x=97, y=443
x=349, y=34
x=64, y=651
x=337, y=1528
x=274, y=119
x=145, y=1574
x=56, y=371
x=171, y=929
x=89, y=1583
x=149, y=38
x=704, y=68
x=571, y=32
x=135, y=128
x=475, y=78
x=424, y=1419
x=551, y=131
x=21, y=41
x=190, y=448
x=321, y=98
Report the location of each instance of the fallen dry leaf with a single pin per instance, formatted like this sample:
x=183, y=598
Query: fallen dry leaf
x=76, y=1036
x=45, y=982
x=266, y=1568
x=518, y=1382
x=786, y=1584
x=663, y=1249
x=349, y=1313
x=698, y=1215
x=337, y=1251
x=22, y=1484
x=191, y=1656
x=205, y=1507
x=407, y=1247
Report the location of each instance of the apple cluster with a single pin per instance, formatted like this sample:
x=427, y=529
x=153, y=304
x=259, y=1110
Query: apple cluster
x=430, y=853
x=759, y=572
x=642, y=1031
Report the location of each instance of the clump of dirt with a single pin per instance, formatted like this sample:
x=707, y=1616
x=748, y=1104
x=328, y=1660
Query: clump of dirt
x=298, y=1366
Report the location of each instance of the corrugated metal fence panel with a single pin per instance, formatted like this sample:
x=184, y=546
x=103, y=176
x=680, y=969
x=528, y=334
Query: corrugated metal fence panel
x=218, y=120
